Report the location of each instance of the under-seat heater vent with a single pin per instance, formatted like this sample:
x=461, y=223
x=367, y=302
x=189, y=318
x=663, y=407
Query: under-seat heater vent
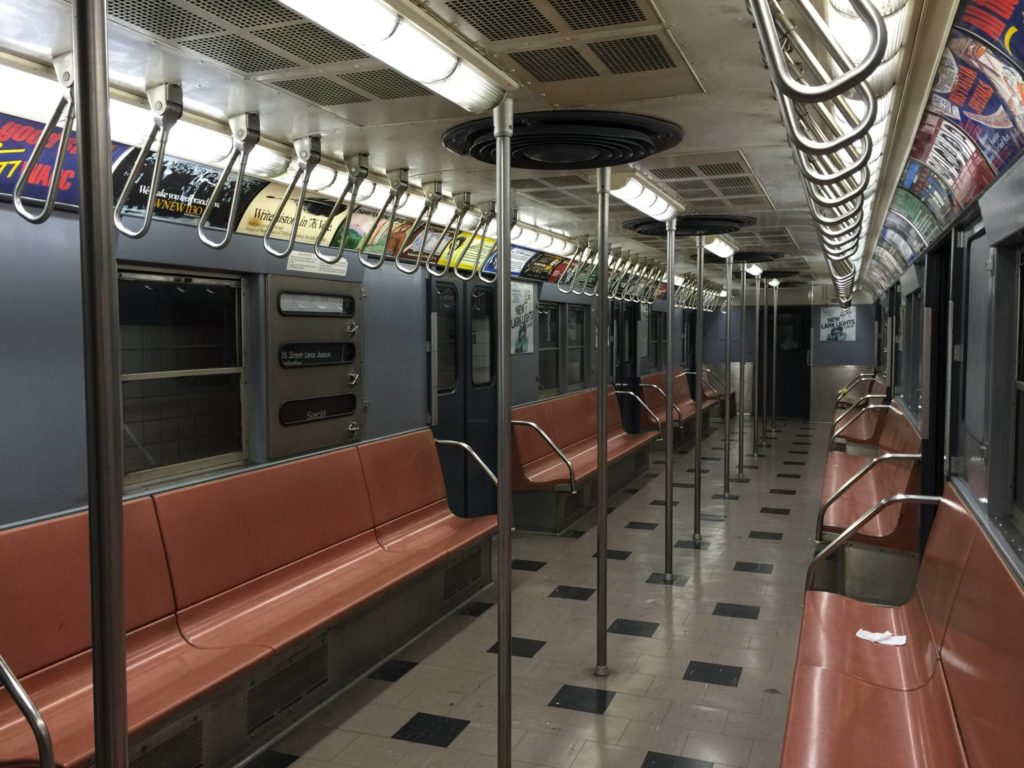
x=269, y=698
x=182, y=750
x=460, y=575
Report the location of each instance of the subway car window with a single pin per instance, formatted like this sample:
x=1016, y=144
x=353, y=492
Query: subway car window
x=912, y=353
x=447, y=337
x=547, y=347
x=657, y=341
x=182, y=378
x=576, y=331
x=482, y=331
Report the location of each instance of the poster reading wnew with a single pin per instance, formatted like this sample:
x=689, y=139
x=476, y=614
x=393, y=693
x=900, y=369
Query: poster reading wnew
x=838, y=324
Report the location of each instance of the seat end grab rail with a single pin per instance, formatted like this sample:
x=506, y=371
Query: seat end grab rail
x=643, y=405
x=661, y=392
x=245, y=134
x=864, y=400
x=852, y=480
x=551, y=443
x=307, y=158
x=63, y=65
x=842, y=539
x=44, y=742
x=473, y=454
x=838, y=433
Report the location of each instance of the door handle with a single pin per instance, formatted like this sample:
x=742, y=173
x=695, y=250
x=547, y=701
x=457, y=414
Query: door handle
x=353, y=379
x=433, y=369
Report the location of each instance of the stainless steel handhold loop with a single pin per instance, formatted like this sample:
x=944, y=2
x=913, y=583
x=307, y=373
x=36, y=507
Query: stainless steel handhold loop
x=487, y=213
x=245, y=134
x=357, y=172
x=307, y=157
x=399, y=183
x=165, y=106
x=64, y=67
x=454, y=226
x=432, y=195
x=564, y=283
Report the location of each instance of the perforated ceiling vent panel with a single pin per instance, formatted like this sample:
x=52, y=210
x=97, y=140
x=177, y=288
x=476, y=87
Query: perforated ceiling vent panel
x=504, y=20
x=723, y=169
x=674, y=173
x=321, y=91
x=588, y=14
x=249, y=13
x=310, y=42
x=238, y=53
x=386, y=84
x=552, y=64
x=567, y=182
x=161, y=18
x=633, y=54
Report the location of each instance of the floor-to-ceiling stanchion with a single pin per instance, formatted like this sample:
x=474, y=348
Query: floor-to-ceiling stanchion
x=603, y=193
x=774, y=283
x=755, y=448
x=670, y=370
x=740, y=410
x=727, y=475
x=698, y=388
x=103, y=416
x=764, y=372
x=503, y=193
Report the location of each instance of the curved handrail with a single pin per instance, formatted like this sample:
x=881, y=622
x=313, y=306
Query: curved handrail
x=844, y=391
x=358, y=170
x=473, y=454
x=64, y=67
x=864, y=400
x=307, y=157
x=643, y=405
x=454, y=226
x=842, y=539
x=432, y=196
x=245, y=134
x=166, y=107
x=487, y=213
x=31, y=713
x=662, y=392
x=716, y=377
x=839, y=432
x=852, y=480
x=553, y=446
x=399, y=185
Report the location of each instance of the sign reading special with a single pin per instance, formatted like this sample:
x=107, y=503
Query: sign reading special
x=523, y=318
x=838, y=324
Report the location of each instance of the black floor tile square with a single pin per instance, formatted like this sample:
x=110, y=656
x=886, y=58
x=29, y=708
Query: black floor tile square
x=800, y=442
x=765, y=535
x=633, y=628
x=661, y=503
x=788, y=476
x=631, y=490
x=522, y=647
x=774, y=511
x=661, y=760
x=713, y=518
x=273, y=759
x=659, y=578
x=527, y=565
x=592, y=700
x=753, y=567
x=723, y=497
x=642, y=526
x=658, y=461
x=475, y=608
x=798, y=453
x=682, y=485
x=713, y=674
x=652, y=474
x=737, y=610
x=691, y=544
x=392, y=670
x=783, y=491
x=616, y=554
x=710, y=458
x=795, y=463
x=573, y=534
x=692, y=471
x=572, y=593
x=434, y=730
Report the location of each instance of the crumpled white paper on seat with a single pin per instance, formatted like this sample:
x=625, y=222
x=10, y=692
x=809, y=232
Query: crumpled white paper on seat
x=882, y=638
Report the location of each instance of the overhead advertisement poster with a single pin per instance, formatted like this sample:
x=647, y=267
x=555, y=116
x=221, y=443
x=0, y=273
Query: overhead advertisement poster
x=261, y=210
x=523, y=318
x=17, y=140
x=917, y=215
x=922, y=182
x=838, y=324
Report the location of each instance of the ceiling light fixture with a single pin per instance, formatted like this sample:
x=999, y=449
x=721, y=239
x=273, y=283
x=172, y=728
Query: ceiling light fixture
x=630, y=189
x=754, y=270
x=406, y=47
x=775, y=282
x=720, y=248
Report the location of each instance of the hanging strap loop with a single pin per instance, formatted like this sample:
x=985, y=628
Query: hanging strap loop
x=307, y=157
x=245, y=134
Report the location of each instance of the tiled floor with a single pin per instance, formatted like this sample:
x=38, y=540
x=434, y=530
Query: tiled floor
x=700, y=669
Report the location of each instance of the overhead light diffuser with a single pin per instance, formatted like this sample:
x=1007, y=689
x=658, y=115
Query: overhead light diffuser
x=754, y=270
x=398, y=42
x=629, y=189
x=775, y=282
x=720, y=248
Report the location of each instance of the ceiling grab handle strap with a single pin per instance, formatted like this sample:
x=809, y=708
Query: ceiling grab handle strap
x=454, y=226
x=64, y=67
x=494, y=250
x=564, y=283
x=245, y=134
x=165, y=106
x=399, y=183
x=432, y=196
x=486, y=216
x=580, y=274
x=307, y=157
x=358, y=170
x=490, y=211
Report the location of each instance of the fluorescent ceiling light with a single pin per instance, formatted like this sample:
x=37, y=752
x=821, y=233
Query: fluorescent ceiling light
x=322, y=177
x=852, y=33
x=720, y=248
x=396, y=41
x=755, y=270
x=631, y=190
x=775, y=282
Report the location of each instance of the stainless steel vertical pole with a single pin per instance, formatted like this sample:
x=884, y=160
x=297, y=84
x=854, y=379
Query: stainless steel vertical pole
x=698, y=399
x=755, y=448
x=103, y=415
x=604, y=176
x=670, y=377
x=743, y=374
x=775, y=351
x=503, y=140
x=764, y=371
x=727, y=475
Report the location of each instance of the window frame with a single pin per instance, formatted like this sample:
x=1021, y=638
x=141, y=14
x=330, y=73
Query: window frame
x=558, y=349
x=581, y=346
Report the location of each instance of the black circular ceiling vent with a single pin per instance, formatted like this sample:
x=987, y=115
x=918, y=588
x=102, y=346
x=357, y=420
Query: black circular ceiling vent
x=690, y=225
x=755, y=257
x=568, y=140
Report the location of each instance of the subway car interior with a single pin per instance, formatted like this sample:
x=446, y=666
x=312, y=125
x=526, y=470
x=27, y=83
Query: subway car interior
x=312, y=315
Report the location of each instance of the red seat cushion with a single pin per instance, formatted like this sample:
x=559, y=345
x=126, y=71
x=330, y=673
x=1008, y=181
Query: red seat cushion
x=840, y=467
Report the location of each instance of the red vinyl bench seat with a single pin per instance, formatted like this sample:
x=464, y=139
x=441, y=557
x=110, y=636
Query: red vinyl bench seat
x=950, y=697
x=652, y=391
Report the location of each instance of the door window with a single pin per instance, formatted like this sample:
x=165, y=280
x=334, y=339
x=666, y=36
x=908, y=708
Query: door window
x=576, y=330
x=482, y=330
x=547, y=347
x=447, y=337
